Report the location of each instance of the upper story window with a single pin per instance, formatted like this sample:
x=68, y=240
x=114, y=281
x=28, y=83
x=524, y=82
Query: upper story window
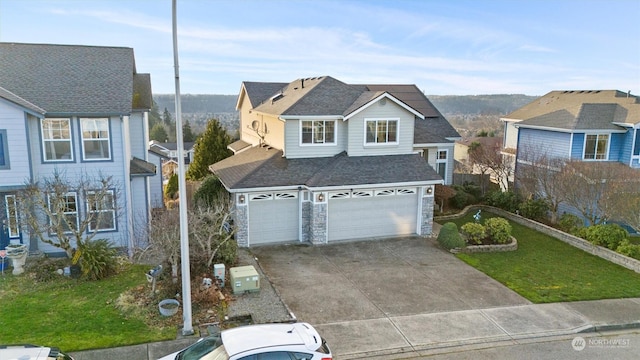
x=95, y=139
x=441, y=163
x=381, y=131
x=56, y=139
x=101, y=210
x=4, y=150
x=64, y=211
x=596, y=146
x=318, y=132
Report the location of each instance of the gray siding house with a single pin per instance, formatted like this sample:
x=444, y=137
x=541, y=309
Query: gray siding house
x=82, y=111
x=320, y=160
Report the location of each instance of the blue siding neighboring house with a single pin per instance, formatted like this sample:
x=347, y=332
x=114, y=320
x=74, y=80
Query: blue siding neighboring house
x=584, y=126
x=81, y=110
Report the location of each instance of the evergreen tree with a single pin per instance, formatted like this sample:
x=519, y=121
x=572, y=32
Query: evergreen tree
x=158, y=133
x=154, y=115
x=210, y=148
x=166, y=117
x=187, y=133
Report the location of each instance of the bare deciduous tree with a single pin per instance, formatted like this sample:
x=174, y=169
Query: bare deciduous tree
x=210, y=229
x=539, y=176
x=50, y=209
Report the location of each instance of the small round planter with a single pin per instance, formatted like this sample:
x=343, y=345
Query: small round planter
x=168, y=307
x=18, y=254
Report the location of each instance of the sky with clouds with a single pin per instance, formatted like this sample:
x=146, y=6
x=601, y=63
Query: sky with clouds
x=454, y=47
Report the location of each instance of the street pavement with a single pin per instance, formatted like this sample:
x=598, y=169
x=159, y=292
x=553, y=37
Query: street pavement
x=401, y=298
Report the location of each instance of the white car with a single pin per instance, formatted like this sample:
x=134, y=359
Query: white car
x=297, y=341
x=31, y=352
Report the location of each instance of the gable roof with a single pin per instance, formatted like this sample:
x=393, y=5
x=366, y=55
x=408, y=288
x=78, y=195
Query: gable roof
x=8, y=95
x=74, y=79
x=324, y=95
x=261, y=167
x=580, y=110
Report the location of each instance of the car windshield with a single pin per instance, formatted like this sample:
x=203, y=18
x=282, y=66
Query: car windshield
x=209, y=348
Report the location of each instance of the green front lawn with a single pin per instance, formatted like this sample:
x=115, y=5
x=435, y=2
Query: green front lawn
x=545, y=269
x=75, y=314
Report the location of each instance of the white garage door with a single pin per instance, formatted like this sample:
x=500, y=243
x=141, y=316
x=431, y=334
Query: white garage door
x=273, y=218
x=372, y=213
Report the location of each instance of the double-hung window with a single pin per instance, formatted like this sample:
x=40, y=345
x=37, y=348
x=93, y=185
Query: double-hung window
x=95, y=139
x=318, y=132
x=441, y=163
x=101, y=210
x=11, y=207
x=64, y=211
x=596, y=146
x=381, y=131
x=56, y=139
x=636, y=144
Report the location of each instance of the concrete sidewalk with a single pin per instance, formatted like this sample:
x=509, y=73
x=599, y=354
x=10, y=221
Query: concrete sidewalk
x=420, y=335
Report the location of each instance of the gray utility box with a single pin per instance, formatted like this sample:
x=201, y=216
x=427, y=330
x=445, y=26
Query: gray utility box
x=244, y=279
x=219, y=273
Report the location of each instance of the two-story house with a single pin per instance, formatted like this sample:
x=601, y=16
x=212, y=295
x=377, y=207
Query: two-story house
x=583, y=126
x=80, y=111
x=320, y=160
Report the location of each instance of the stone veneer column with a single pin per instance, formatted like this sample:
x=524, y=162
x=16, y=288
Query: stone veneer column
x=318, y=225
x=427, y=211
x=306, y=221
x=241, y=212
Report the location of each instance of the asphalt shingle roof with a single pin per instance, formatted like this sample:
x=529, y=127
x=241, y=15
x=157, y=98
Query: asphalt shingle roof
x=580, y=110
x=265, y=167
x=327, y=96
x=72, y=79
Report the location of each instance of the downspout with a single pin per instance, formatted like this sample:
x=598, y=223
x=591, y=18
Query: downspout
x=127, y=178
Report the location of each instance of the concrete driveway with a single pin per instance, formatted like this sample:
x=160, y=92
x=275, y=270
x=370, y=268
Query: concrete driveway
x=377, y=279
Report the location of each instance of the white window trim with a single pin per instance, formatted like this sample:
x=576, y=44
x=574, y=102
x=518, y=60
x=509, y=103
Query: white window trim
x=584, y=147
x=77, y=213
x=381, y=144
x=108, y=139
x=12, y=234
x=444, y=161
x=335, y=133
x=112, y=211
x=340, y=195
x=47, y=141
x=636, y=136
x=385, y=192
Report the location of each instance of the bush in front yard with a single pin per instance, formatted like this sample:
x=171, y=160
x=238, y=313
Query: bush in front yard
x=449, y=237
x=507, y=200
x=607, y=235
x=474, y=232
x=570, y=224
x=535, y=209
x=498, y=230
x=629, y=249
x=98, y=259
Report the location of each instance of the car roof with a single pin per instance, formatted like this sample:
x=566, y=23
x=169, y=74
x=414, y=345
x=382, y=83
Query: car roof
x=245, y=338
x=23, y=352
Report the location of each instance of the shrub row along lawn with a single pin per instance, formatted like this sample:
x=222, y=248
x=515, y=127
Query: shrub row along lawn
x=545, y=269
x=75, y=314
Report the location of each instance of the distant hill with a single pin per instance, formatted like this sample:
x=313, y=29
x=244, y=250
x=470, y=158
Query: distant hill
x=197, y=103
x=501, y=104
x=468, y=113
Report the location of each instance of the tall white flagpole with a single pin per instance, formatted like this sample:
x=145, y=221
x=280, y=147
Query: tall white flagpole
x=187, y=328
